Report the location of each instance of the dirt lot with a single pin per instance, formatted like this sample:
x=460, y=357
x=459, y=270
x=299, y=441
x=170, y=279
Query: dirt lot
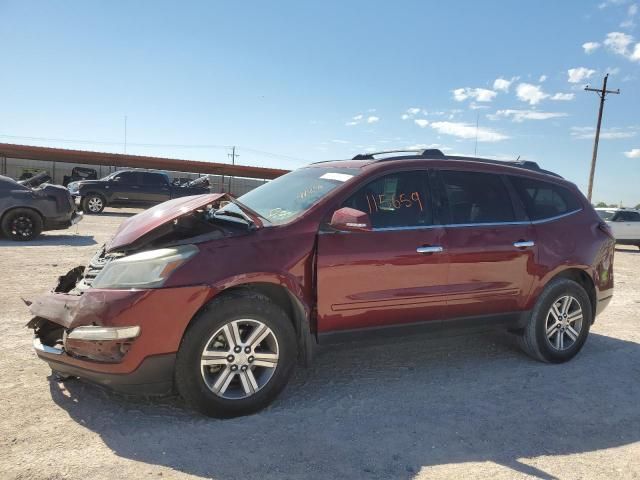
x=464, y=405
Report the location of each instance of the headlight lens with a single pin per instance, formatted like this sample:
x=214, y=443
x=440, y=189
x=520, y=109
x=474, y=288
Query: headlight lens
x=148, y=269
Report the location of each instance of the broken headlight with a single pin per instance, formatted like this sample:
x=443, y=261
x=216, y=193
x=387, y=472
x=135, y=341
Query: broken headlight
x=148, y=269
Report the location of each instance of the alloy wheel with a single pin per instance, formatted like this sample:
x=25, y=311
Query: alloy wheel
x=94, y=204
x=564, y=323
x=239, y=359
x=22, y=226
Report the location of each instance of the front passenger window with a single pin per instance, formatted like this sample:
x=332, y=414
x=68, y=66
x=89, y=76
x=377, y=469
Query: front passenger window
x=394, y=201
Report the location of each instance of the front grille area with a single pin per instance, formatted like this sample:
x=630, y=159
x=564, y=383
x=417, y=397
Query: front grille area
x=97, y=263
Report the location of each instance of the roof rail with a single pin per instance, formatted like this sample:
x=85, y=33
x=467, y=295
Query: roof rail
x=525, y=164
x=422, y=153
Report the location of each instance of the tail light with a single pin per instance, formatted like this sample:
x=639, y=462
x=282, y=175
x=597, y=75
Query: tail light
x=606, y=229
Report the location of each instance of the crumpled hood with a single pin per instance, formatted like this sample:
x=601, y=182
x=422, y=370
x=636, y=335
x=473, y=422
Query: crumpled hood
x=145, y=222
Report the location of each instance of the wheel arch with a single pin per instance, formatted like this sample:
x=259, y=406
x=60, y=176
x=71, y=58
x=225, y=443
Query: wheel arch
x=584, y=279
x=22, y=207
x=281, y=293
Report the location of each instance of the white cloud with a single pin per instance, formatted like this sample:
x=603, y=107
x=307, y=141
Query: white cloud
x=468, y=131
x=532, y=94
x=590, y=47
x=373, y=119
x=475, y=106
x=522, y=115
x=563, y=96
x=502, y=84
x=542, y=78
x=411, y=112
x=616, y=133
x=421, y=122
x=618, y=42
x=358, y=119
x=339, y=141
x=633, y=153
x=577, y=75
x=478, y=94
x=635, y=55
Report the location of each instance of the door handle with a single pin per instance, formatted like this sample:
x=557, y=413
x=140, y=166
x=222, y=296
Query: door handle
x=430, y=249
x=524, y=243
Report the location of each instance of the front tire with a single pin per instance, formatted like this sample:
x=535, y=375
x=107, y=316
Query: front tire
x=559, y=323
x=93, y=203
x=21, y=224
x=236, y=356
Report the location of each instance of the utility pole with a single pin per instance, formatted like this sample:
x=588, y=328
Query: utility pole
x=602, y=93
x=233, y=156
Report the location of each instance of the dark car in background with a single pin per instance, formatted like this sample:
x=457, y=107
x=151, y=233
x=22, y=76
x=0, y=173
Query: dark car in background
x=25, y=211
x=129, y=188
x=217, y=297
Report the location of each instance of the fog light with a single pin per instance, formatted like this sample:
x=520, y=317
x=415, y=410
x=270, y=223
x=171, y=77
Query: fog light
x=97, y=333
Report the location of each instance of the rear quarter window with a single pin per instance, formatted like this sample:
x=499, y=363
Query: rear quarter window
x=544, y=199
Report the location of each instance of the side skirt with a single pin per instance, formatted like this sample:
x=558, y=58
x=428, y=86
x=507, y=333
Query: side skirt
x=511, y=320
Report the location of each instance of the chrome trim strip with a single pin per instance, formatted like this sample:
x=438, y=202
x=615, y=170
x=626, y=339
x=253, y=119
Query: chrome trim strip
x=494, y=224
x=551, y=219
x=37, y=344
x=455, y=225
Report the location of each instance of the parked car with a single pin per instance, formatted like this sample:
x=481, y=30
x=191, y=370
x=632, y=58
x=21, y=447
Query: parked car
x=26, y=211
x=78, y=174
x=624, y=223
x=218, y=297
x=128, y=188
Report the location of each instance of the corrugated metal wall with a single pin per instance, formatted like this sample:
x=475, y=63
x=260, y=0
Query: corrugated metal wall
x=16, y=167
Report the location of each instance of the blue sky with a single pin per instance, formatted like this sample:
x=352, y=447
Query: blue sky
x=292, y=82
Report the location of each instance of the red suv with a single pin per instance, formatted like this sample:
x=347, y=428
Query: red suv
x=219, y=298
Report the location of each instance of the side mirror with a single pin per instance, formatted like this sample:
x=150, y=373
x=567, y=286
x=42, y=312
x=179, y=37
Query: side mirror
x=350, y=220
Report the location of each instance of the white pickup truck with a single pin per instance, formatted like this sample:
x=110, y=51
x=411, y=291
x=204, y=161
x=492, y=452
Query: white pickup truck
x=624, y=223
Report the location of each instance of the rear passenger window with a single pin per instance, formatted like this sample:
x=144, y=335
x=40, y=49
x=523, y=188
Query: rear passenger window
x=475, y=197
x=393, y=201
x=544, y=200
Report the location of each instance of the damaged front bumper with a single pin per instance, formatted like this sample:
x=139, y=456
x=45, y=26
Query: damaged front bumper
x=123, y=339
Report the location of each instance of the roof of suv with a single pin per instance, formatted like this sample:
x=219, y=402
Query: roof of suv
x=365, y=159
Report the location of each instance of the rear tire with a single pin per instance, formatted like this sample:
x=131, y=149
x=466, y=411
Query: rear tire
x=93, y=203
x=559, y=323
x=21, y=224
x=221, y=375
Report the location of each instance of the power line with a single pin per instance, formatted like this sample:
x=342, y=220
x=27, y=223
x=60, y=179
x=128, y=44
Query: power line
x=602, y=93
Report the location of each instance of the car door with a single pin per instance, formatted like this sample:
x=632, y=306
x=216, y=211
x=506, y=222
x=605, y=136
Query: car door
x=391, y=275
x=490, y=245
x=125, y=188
x=154, y=188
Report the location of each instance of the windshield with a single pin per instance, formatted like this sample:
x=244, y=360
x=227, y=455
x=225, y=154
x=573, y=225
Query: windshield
x=606, y=214
x=287, y=197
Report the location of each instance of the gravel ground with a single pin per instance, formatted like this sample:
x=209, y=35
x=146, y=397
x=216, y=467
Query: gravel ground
x=466, y=405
